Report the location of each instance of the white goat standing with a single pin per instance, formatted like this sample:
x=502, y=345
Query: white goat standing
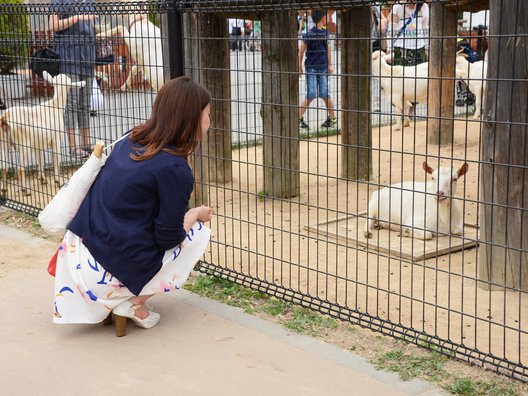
x=419, y=209
x=474, y=74
x=35, y=128
x=402, y=85
x=143, y=39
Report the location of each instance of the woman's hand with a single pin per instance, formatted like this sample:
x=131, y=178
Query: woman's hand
x=204, y=213
x=201, y=213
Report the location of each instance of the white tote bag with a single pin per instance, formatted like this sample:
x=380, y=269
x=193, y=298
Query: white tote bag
x=61, y=210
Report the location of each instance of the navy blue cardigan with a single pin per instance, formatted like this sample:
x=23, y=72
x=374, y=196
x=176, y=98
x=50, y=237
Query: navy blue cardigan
x=134, y=213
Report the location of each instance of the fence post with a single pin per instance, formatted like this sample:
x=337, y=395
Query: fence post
x=356, y=127
x=214, y=60
x=175, y=42
x=280, y=90
x=503, y=257
x=441, y=91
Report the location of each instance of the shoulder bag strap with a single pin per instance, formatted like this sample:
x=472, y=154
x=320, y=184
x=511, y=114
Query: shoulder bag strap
x=413, y=16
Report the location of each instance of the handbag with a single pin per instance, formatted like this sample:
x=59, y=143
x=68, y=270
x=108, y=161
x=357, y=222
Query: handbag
x=52, y=266
x=45, y=59
x=104, y=53
x=57, y=214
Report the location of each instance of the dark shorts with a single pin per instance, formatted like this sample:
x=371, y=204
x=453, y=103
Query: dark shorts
x=408, y=57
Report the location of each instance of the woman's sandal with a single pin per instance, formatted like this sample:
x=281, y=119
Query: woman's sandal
x=126, y=310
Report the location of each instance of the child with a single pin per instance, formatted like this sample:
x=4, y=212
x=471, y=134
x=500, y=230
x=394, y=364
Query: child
x=318, y=65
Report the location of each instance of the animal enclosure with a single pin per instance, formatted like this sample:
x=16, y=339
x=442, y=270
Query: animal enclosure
x=292, y=198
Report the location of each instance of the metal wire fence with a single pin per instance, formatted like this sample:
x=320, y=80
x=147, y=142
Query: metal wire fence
x=297, y=212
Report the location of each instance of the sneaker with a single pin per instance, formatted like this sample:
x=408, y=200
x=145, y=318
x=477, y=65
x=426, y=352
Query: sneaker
x=329, y=123
x=303, y=124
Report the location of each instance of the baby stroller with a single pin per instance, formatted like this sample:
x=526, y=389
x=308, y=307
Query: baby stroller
x=464, y=97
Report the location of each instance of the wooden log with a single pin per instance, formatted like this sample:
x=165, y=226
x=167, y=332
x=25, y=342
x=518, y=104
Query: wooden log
x=280, y=90
x=356, y=128
x=503, y=257
x=441, y=94
x=215, y=76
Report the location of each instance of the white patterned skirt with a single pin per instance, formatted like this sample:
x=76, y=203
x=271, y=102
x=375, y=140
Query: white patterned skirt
x=86, y=293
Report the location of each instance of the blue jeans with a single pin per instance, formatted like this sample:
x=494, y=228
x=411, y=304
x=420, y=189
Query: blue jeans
x=317, y=83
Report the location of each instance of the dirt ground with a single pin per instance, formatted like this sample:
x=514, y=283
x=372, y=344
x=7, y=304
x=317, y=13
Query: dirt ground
x=268, y=239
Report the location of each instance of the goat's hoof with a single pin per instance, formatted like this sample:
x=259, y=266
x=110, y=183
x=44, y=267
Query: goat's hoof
x=26, y=193
x=367, y=234
x=59, y=183
x=43, y=181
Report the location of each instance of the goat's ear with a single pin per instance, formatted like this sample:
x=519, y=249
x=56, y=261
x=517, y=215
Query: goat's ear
x=426, y=167
x=463, y=169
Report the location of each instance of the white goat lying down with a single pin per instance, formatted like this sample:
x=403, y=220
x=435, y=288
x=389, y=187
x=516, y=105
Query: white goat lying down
x=36, y=128
x=474, y=74
x=419, y=209
x=143, y=39
x=402, y=85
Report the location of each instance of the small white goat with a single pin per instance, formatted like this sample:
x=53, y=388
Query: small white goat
x=35, y=128
x=419, y=209
x=143, y=39
x=402, y=85
x=474, y=74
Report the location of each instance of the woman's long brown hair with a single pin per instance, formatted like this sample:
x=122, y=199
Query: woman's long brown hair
x=175, y=120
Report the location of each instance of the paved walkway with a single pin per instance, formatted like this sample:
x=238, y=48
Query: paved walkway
x=200, y=347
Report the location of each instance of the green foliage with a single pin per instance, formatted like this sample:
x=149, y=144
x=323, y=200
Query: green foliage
x=14, y=36
x=427, y=365
x=301, y=320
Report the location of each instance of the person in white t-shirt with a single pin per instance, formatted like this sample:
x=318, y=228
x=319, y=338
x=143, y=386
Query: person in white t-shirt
x=236, y=34
x=410, y=31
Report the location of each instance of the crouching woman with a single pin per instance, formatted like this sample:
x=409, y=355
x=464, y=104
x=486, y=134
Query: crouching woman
x=133, y=236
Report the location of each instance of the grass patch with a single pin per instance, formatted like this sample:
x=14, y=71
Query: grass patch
x=293, y=317
x=468, y=387
x=319, y=133
x=302, y=135
x=25, y=222
x=262, y=195
x=428, y=365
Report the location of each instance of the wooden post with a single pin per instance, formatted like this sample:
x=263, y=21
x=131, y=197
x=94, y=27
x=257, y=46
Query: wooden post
x=503, y=257
x=280, y=90
x=215, y=76
x=441, y=94
x=356, y=129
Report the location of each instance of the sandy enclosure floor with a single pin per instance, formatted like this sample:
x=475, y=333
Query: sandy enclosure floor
x=268, y=239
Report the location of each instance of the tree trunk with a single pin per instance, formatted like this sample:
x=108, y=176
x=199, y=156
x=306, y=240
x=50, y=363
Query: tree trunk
x=356, y=128
x=440, y=98
x=280, y=85
x=503, y=259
